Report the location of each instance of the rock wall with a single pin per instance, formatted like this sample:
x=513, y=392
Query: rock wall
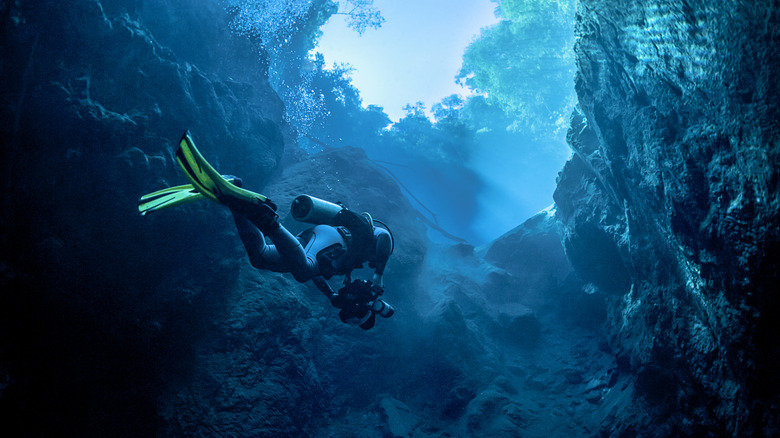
x=670, y=206
x=100, y=308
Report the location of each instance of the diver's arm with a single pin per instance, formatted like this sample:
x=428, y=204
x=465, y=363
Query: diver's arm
x=323, y=286
x=384, y=246
x=377, y=280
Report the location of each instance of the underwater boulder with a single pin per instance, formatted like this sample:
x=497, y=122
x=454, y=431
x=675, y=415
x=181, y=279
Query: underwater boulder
x=96, y=104
x=401, y=421
x=492, y=413
x=518, y=324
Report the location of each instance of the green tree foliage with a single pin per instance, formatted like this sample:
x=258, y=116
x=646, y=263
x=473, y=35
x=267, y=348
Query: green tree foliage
x=449, y=108
x=447, y=140
x=435, y=156
x=286, y=32
x=525, y=66
x=430, y=158
x=287, y=27
x=343, y=120
x=362, y=15
x=522, y=68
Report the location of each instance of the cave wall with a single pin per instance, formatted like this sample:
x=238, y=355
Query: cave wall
x=101, y=308
x=670, y=205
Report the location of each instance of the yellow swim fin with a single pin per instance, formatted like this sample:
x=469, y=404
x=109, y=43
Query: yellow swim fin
x=205, y=179
x=166, y=198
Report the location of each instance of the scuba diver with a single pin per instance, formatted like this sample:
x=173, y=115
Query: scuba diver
x=341, y=242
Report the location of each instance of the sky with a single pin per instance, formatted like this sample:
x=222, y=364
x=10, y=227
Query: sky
x=414, y=56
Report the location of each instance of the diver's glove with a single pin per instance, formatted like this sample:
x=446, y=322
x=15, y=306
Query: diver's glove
x=354, y=293
x=377, y=290
x=360, y=303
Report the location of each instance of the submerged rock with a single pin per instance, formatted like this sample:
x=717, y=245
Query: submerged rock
x=401, y=421
x=95, y=98
x=493, y=413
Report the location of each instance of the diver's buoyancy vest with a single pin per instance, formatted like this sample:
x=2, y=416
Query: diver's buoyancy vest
x=359, y=235
x=356, y=230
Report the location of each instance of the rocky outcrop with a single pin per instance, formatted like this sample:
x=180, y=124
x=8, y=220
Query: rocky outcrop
x=493, y=348
x=670, y=206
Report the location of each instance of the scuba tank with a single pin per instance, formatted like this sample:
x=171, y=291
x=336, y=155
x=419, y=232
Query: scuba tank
x=313, y=210
x=356, y=229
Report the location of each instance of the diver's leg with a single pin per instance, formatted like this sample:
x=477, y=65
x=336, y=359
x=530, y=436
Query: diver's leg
x=261, y=255
x=285, y=255
x=292, y=254
x=252, y=220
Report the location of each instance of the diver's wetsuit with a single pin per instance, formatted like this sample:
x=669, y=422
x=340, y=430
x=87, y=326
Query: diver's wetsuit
x=299, y=255
x=320, y=252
